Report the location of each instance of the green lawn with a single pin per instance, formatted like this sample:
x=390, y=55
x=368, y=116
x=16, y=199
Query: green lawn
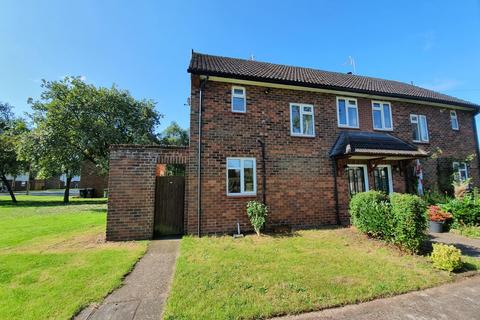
x=471, y=232
x=53, y=258
x=258, y=277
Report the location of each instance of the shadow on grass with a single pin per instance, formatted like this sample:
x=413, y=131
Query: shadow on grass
x=466, y=267
x=50, y=203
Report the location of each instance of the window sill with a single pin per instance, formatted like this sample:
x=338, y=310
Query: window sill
x=386, y=130
x=421, y=142
x=241, y=195
x=241, y=112
x=347, y=127
x=302, y=135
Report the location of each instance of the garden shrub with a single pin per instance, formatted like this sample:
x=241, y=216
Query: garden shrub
x=410, y=220
x=371, y=214
x=400, y=218
x=435, y=198
x=465, y=211
x=257, y=213
x=445, y=257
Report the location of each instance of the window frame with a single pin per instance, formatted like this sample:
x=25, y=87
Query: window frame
x=365, y=176
x=346, y=110
x=390, y=176
x=244, y=96
x=458, y=163
x=242, y=192
x=381, y=103
x=301, y=113
x=453, y=114
x=419, y=127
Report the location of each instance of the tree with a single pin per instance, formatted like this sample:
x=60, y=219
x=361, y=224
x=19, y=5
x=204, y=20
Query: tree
x=86, y=120
x=174, y=135
x=11, y=129
x=50, y=155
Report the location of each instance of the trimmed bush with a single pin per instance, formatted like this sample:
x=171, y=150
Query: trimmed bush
x=445, y=257
x=371, y=214
x=400, y=218
x=410, y=220
x=257, y=213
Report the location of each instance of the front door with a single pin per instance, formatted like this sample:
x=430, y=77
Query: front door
x=382, y=175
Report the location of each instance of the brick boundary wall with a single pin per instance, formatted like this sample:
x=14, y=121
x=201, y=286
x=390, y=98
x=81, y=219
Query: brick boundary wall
x=131, y=181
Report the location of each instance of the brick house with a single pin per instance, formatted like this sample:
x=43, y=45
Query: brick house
x=303, y=141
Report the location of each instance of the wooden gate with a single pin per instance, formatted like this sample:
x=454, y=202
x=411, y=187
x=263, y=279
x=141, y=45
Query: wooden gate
x=169, y=203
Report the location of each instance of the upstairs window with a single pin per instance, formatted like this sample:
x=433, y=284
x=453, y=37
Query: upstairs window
x=460, y=171
x=239, y=100
x=302, y=120
x=241, y=176
x=454, y=120
x=382, y=115
x=347, y=112
x=419, y=128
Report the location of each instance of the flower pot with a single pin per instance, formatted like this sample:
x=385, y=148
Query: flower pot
x=436, y=227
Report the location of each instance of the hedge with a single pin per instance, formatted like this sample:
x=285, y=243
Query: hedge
x=371, y=214
x=400, y=218
x=409, y=212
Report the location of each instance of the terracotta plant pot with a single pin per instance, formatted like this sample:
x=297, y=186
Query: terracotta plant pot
x=436, y=227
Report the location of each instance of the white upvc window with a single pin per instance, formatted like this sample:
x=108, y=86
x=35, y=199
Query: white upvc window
x=460, y=171
x=241, y=177
x=454, y=120
x=357, y=178
x=239, y=99
x=383, y=179
x=382, y=115
x=347, y=112
x=302, y=120
x=419, y=128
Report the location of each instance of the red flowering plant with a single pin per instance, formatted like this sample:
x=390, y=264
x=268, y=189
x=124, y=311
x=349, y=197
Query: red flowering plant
x=435, y=213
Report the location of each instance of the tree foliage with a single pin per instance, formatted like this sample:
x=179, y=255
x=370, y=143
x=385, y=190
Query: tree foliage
x=11, y=130
x=174, y=135
x=83, y=120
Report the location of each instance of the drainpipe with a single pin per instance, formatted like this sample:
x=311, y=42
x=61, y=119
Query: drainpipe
x=199, y=157
x=264, y=172
x=335, y=191
x=475, y=132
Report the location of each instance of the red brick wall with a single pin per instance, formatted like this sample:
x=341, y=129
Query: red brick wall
x=299, y=172
x=131, y=183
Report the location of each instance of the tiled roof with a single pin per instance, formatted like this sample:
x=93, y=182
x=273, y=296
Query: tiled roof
x=204, y=64
x=359, y=142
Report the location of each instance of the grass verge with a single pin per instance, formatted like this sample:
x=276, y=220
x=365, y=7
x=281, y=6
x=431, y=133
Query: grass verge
x=259, y=277
x=53, y=258
x=471, y=232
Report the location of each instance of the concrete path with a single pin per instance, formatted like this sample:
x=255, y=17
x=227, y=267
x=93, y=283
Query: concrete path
x=469, y=246
x=145, y=289
x=457, y=301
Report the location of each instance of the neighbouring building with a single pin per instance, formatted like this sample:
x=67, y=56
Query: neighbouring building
x=299, y=139
x=92, y=177
x=20, y=183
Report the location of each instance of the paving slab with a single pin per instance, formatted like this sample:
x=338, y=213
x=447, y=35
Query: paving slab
x=145, y=289
x=456, y=301
x=469, y=246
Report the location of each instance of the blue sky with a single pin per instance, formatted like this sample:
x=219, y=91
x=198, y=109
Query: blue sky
x=145, y=46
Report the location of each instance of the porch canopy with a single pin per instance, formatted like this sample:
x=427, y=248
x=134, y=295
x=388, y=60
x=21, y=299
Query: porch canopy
x=363, y=145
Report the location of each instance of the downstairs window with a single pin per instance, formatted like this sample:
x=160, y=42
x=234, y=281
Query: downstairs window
x=241, y=176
